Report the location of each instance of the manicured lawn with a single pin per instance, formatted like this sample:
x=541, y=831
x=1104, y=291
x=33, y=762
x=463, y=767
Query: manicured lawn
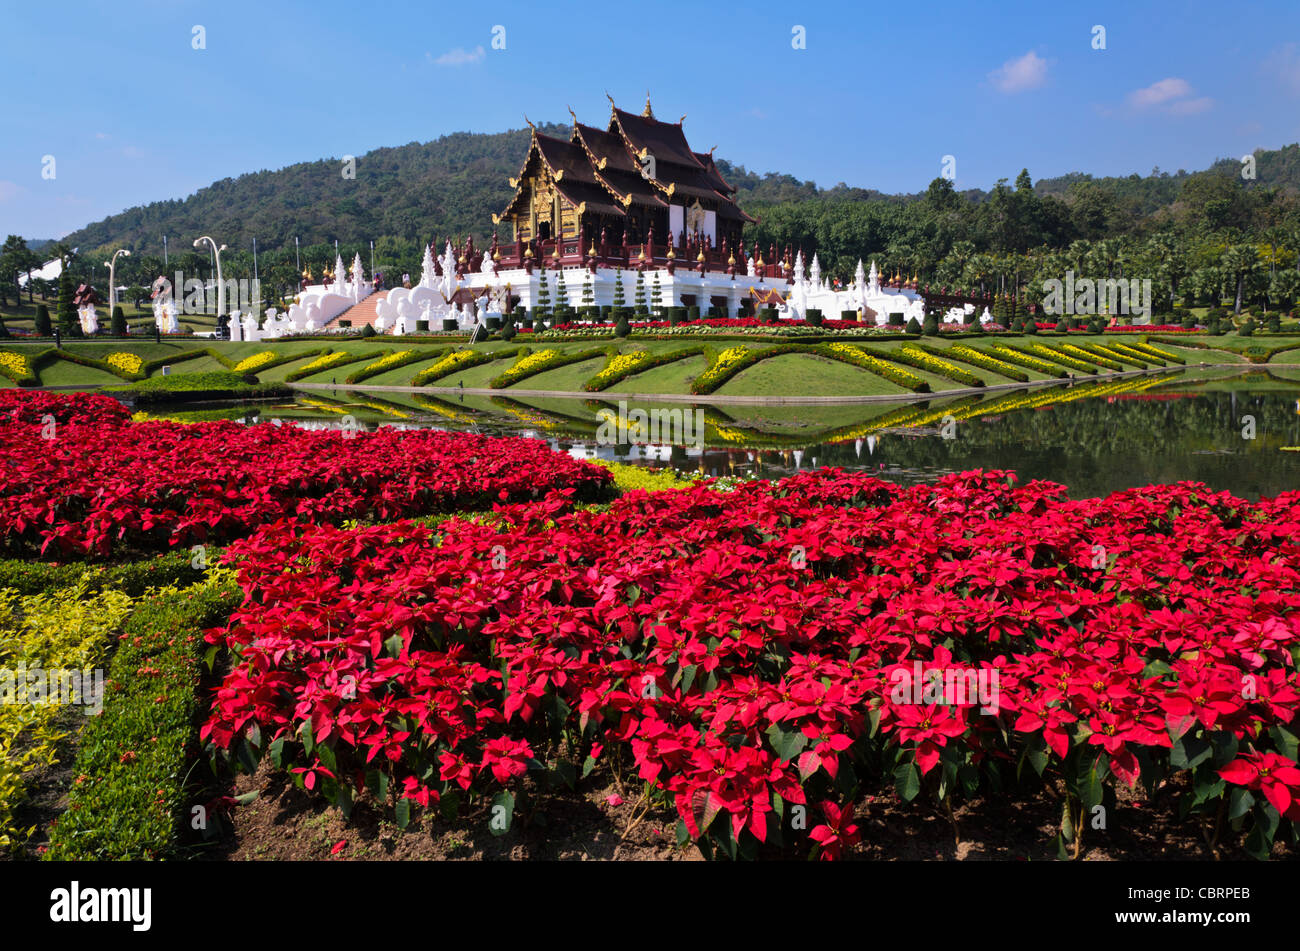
x=800, y=374
x=567, y=379
x=675, y=377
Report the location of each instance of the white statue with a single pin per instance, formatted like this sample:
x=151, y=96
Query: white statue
x=89, y=319
x=357, y=277
x=428, y=276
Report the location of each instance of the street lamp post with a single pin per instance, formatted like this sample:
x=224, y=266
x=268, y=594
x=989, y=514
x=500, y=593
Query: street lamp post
x=221, y=288
x=111, y=264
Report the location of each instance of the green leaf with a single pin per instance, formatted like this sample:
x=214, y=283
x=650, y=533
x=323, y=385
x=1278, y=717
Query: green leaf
x=1239, y=802
x=1287, y=743
x=587, y=766
x=402, y=813
x=567, y=773
x=308, y=743
x=325, y=753
x=683, y=836
x=907, y=781
x=787, y=743
x=276, y=749
x=1067, y=823
x=393, y=646
x=377, y=780
x=688, y=676
x=1189, y=752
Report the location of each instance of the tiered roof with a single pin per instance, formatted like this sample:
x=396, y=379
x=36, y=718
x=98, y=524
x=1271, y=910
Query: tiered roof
x=601, y=170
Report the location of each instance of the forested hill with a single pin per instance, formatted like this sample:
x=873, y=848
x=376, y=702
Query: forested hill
x=454, y=184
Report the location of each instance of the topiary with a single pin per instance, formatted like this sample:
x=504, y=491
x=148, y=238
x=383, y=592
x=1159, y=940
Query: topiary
x=1028, y=326
x=118, y=326
x=1247, y=327
x=43, y=328
x=813, y=317
x=368, y=330
x=913, y=326
x=622, y=328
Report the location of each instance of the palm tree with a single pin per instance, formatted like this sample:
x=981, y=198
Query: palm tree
x=1239, y=260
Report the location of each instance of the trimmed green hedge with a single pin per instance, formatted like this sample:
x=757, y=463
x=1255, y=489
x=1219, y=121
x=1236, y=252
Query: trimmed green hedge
x=437, y=371
x=345, y=359
x=512, y=374
x=596, y=384
x=132, y=577
x=128, y=798
x=976, y=358
x=412, y=356
x=188, y=387
x=28, y=379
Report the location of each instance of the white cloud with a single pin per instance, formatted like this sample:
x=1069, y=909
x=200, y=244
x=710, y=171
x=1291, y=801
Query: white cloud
x=1171, y=96
x=1160, y=92
x=1284, y=65
x=1017, y=75
x=102, y=135
x=460, y=57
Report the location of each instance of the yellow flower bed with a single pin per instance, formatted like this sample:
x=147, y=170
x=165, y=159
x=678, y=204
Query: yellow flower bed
x=249, y=364
x=384, y=362
x=621, y=364
x=126, y=362
x=13, y=364
x=450, y=362
x=59, y=631
x=325, y=362
x=723, y=365
x=540, y=358
x=937, y=364
x=890, y=371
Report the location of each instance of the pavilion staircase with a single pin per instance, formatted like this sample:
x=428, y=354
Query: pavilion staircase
x=362, y=314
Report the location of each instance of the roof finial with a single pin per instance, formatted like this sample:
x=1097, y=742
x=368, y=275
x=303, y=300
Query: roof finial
x=530, y=123
x=571, y=112
x=648, y=112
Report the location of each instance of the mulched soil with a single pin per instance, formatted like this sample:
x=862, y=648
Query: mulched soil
x=284, y=823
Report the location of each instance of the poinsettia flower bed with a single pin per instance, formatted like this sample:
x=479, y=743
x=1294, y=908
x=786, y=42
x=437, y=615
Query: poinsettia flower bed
x=28, y=407
x=103, y=486
x=741, y=652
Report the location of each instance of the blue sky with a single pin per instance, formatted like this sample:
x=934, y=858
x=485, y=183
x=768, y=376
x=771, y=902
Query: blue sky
x=132, y=113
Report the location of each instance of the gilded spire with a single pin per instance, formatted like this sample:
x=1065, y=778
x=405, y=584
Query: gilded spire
x=647, y=112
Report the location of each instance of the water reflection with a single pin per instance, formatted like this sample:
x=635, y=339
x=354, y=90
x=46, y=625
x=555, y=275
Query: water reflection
x=1227, y=430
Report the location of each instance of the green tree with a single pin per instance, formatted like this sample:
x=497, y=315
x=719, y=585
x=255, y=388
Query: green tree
x=68, y=324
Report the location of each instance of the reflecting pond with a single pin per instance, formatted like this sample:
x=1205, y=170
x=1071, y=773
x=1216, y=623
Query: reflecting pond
x=1228, y=429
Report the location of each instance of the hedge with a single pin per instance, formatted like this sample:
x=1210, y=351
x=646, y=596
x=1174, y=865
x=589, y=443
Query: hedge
x=392, y=361
x=604, y=380
x=330, y=361
x=930, y=364
x=192, y=387
x=128, y=799
x=975, y=358
x=713, y=378
x=17, y=366
x=1011, y=355
x=521, y=370
x=452, y=362
x=131, y=577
